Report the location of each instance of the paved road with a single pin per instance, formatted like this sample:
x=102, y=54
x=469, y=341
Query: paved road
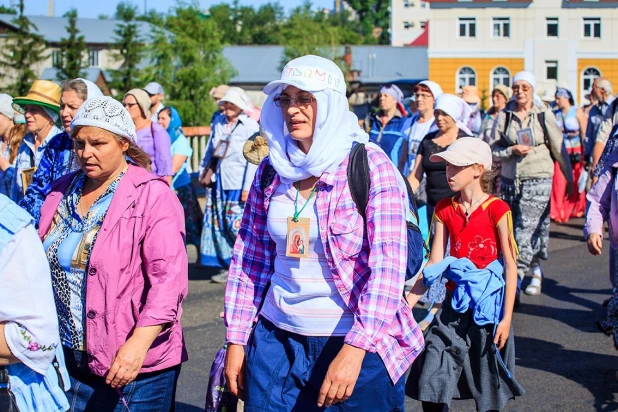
x=563, y=361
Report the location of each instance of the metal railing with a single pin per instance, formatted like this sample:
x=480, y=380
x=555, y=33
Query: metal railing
x=198, y=137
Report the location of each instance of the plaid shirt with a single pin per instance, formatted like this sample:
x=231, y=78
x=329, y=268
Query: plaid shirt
x=368, y=266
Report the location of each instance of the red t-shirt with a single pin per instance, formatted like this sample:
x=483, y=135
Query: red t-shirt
x=475, y=238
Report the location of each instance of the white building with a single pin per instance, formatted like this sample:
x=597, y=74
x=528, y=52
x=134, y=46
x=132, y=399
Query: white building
x=408, y=20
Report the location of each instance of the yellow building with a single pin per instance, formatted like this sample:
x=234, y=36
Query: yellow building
x=484, y=43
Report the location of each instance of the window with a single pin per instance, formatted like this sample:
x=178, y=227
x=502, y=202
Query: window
x=467, y=27
x=500, y=75
x=552, y=26
x=551, y=70
x=588, y=77
x=408, y=3
x=56, y=57
x=501, y=27
x=408, y=24
x=466, y=77
x=423, y=24
x=93, y=58
x=592, y=27
x=424, y=4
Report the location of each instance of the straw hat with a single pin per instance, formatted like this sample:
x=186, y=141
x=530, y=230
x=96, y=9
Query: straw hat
x=470, y=94
x=42, y=93
x=255, y=149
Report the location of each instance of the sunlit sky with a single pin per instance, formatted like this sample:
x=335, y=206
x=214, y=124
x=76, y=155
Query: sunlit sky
x=92, y=8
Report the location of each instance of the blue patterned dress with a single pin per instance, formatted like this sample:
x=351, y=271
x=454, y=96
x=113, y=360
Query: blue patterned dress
x=68, y=245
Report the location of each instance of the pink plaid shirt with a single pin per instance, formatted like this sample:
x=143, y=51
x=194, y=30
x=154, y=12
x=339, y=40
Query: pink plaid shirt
x=368, y=270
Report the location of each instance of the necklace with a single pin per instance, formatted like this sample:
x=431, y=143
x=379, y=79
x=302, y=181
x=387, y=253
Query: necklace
x=296, y=211
x=467, y=213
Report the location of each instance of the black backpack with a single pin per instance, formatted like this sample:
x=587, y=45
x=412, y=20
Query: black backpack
x=360, y=183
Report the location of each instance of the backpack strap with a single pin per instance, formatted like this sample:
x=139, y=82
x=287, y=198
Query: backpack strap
x=359, y=180
x=268, y=176
x=541, y=117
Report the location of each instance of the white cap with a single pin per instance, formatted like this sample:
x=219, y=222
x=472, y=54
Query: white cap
x=237, y=96
x=153, y=88
x=549, y=95
x=466, y=151
x=108, y=114
x=311, y=74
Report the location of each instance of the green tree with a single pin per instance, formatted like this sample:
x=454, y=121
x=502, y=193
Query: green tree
x=24, y=48
x=7, y=10
x=129, y=49
x=373, y=14
x=188, y=61
x=72, y=50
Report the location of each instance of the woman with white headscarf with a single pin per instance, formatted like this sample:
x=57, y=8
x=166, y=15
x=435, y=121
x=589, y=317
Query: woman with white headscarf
x=228, y=175
x=527, y=140
x=59, y=158
x=324, y=285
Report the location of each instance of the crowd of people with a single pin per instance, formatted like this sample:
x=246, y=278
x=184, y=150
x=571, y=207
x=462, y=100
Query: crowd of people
x=318, y=302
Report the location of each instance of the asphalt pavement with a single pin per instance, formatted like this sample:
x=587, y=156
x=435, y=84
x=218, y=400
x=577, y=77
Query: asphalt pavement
x=563, y=361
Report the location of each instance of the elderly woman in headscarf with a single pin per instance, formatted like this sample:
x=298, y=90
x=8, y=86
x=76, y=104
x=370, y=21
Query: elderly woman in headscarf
x=59, y=158
x=573, y=122
x=29, y=341
x=527, y=140
x=229, y=175
x=114, y=236
x=500, y=96
x=12, y=132
x=169, y=118
x=451, y=113
x=42, y=110
x=387, y=125
x=152, y=138
x=332, y=324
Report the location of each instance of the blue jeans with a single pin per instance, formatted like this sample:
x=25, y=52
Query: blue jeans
x=149, y=392
x=284, y=372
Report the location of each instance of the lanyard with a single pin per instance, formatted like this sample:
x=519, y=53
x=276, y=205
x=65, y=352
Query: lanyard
x=296, y=211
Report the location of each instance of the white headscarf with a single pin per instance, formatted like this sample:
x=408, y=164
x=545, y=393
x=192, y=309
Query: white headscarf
x=530, y=78
x=93, y=89
x=435, y=88
x=336, y=127
x=457, y=108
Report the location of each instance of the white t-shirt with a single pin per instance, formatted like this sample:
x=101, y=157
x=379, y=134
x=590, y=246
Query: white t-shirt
x=302, y=297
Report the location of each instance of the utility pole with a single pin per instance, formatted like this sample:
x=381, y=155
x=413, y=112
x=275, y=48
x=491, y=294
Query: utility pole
x=50, y=8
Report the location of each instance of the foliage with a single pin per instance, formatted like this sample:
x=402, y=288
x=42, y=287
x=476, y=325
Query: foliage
x=7, y=10
x=373, y=14
x=129, y=49
x=72, y=50
x=24, y=48
x=187, y=60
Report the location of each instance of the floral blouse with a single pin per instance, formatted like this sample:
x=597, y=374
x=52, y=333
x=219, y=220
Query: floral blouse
x=68, y=245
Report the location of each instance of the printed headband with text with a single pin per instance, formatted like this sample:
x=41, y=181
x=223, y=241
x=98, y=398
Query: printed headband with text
x=325, y=77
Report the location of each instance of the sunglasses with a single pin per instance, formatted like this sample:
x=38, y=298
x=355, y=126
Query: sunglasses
x=523, y=88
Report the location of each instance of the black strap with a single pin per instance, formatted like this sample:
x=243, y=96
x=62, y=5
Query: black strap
x=541, y=118
x=268, y=176
x=359, y=180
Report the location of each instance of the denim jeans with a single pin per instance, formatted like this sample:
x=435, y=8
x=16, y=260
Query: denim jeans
x=284, y=372
x=149, y=392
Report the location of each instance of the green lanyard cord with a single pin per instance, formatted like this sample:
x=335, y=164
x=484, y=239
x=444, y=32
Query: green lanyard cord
x=296, y=211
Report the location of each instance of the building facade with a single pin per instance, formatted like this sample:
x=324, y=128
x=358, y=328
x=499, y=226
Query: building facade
x=484, y=43
x=408, y=20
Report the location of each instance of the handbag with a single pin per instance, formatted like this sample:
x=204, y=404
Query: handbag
x=7, y=399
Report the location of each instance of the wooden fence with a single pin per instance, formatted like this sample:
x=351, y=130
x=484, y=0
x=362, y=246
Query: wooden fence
x=198, y=137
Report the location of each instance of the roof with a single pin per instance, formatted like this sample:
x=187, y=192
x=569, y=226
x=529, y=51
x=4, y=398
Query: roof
x=95, y=31
x=423, y=39
x=91, y=74
x=377, y=64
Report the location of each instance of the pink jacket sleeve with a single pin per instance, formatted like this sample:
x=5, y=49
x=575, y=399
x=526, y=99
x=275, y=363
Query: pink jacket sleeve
x=599, y=203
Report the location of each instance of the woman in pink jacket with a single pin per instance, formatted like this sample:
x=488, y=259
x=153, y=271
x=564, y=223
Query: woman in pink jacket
x=114, y=236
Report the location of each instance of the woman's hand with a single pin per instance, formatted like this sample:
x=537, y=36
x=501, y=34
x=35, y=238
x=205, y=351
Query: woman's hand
x=244, y=196
x=520, y=150
x=341, y=376
x=206, y=178
x=130, y=357
x=595, y=244
x=235, y=369
x=502, y=333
